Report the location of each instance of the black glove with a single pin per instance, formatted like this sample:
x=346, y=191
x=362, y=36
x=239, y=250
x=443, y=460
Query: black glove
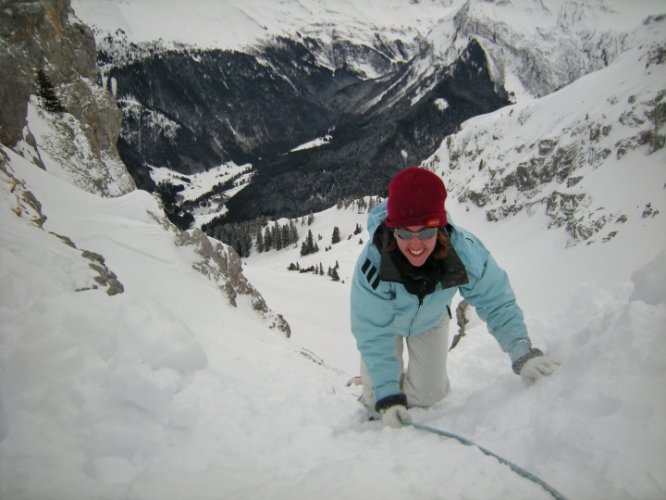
x=393, y=410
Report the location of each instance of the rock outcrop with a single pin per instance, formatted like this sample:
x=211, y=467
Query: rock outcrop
x=46, y=49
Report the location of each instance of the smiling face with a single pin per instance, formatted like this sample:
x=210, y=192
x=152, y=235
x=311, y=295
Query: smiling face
x=416, y=250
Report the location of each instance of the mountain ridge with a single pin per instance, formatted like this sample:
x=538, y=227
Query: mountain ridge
x=587, y=132
x=324, y=78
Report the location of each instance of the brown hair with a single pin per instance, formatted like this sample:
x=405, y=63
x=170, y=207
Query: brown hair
x=441, y=247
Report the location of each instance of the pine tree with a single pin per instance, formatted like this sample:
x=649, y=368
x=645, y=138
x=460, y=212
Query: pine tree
x=46, y=91
x=309, y=245
x=277, y=236
x=335, y=237
x=245, y=242
x=284, y=235
x=259, y=242
x=293, y=232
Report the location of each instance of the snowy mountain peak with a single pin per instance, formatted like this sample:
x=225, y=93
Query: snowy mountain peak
x=238, y=25
x=590, y=157
x=538, y=47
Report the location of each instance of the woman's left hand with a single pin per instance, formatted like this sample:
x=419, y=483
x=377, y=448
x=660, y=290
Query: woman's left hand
x=537, y=367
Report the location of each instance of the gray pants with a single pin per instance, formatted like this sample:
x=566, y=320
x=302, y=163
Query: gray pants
x=425, y=382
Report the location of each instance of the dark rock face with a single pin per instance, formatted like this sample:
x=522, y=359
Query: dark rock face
x=192, y=110
x=370, y=147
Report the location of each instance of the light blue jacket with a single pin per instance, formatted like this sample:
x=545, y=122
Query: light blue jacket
x=382, y=309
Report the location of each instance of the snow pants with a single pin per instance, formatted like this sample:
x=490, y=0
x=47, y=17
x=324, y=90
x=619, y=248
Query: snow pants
x=425, y=382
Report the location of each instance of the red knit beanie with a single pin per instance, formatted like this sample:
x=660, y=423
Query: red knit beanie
x=416, y=198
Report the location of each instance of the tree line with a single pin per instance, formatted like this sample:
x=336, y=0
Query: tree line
x=264, y=236
x=318, y=270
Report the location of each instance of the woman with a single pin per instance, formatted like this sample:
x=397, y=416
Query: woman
x=402, y=288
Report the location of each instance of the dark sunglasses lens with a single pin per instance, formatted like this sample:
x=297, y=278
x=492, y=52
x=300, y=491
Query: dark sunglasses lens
x=426, y=234
x=423, y=234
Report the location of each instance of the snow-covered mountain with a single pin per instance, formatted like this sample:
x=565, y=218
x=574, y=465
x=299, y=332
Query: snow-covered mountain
x=590, y=156
x=140, y=361
x=539, y=47
x=557, y=41
x=385, y=92
x=241, y=25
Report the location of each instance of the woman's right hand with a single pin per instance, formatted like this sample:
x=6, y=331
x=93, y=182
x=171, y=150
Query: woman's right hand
x=395, y=416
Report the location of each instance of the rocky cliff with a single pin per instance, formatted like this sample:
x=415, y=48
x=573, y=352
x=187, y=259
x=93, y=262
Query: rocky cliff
x=56, y=115
x=53, y=110
x=587, y=158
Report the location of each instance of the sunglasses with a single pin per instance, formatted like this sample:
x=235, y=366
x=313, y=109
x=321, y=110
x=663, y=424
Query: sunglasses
x=423, y=234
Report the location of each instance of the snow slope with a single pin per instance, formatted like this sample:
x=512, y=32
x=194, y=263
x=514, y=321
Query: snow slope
x=166, y=391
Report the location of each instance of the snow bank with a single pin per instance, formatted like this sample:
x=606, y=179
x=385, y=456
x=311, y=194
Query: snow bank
x=165, y=391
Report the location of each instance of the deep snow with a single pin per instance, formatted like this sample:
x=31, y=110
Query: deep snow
x=167, y=391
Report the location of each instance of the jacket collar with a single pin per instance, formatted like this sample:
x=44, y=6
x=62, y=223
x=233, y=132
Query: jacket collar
x=451, y=269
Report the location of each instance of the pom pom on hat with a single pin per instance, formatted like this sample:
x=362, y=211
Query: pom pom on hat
x=416, y=198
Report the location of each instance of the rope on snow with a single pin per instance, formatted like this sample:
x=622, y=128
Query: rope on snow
x=518, y=470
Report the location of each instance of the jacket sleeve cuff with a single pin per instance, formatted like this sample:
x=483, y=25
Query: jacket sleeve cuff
x=386, y=389
x=392, y=400
x=520, y=362
x=519, y=348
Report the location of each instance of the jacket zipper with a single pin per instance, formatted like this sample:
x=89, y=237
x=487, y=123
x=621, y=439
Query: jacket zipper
x=418, y=308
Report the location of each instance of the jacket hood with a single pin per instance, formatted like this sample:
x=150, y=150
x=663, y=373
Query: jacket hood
x=377, y=216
